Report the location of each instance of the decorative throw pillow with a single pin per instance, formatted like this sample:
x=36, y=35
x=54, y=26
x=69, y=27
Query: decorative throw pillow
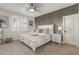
x=40, y=30
x=46, y=31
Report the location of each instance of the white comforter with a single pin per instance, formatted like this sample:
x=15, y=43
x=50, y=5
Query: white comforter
x=36, y=37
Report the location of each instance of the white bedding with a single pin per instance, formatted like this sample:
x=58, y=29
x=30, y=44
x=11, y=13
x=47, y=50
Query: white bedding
x=35, y=39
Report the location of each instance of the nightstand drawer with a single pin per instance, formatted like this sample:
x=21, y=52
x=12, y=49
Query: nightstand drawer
x=56, y=38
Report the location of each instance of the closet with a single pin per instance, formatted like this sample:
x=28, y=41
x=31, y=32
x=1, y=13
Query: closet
x=71, y=29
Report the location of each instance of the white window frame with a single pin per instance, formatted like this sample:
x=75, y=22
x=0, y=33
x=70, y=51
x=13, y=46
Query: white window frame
x=21, y=23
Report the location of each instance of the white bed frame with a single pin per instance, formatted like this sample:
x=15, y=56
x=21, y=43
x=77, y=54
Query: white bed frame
x=32, y=44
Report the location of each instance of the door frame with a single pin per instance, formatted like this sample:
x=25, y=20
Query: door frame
x=63, y=25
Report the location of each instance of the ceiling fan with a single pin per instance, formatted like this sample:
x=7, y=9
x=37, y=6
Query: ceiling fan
x=33, y=7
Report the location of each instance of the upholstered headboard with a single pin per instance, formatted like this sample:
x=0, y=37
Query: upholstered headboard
x=50, y=27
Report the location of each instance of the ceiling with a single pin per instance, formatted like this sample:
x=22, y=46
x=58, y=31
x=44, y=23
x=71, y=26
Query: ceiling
x=43, y=9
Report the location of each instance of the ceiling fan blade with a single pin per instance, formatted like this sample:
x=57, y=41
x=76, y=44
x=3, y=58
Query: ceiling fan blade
x=35, y=6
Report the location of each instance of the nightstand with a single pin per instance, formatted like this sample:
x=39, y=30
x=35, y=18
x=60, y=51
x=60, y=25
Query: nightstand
x=56, y=37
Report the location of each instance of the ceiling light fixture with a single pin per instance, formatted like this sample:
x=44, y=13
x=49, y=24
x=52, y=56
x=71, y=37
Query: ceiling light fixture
x=32, y=9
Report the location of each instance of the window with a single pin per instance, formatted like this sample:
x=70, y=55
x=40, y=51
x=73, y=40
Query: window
x=19, y=23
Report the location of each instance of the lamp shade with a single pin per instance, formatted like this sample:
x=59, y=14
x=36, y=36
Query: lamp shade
x=59, y=28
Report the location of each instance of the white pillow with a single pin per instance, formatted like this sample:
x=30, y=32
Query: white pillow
x=46, y=31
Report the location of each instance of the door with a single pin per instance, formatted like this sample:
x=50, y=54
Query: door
x=70, y=29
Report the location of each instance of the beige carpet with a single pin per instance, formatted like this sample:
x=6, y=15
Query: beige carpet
x=18, y=48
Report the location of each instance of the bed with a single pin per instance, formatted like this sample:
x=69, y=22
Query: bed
x=37, y=39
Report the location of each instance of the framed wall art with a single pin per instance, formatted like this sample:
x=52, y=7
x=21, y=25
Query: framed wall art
x=4, y=20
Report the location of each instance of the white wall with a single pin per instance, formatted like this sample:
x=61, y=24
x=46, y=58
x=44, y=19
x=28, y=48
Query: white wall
x=8, y=31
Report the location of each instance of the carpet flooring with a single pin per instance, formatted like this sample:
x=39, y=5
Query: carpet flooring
x=18, y=48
